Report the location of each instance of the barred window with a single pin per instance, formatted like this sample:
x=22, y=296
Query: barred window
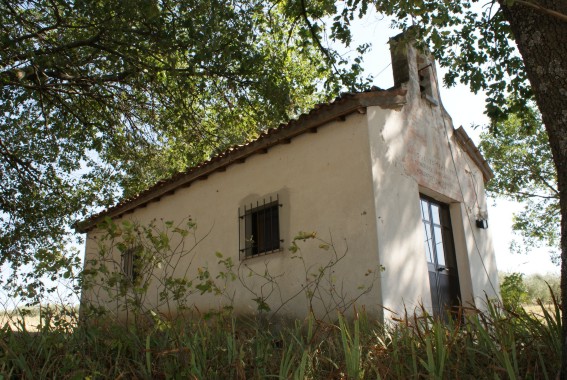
x=259, y=227
x=130, y=263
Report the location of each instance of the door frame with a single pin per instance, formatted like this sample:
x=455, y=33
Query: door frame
x=440, y=254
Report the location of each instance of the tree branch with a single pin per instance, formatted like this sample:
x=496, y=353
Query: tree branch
x=34, y=34
x=57, y=49
x=533, y=195
x=20, y=165
x=324, y=50
x=539, y=8
x=548, y=185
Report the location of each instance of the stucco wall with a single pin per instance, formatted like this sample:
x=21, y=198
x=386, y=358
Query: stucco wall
x=414, y=152
x=357, y=184
x=323, y=182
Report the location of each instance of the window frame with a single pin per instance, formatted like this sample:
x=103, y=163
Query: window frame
x=263, y=219
x=129, y=263
x=446, y=243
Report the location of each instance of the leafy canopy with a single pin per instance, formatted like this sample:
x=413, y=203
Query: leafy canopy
x=518, y=151
x=470, y=38
x=101, y=98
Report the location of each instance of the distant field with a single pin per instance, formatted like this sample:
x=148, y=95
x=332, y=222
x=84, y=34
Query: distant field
x=14, y=320
x=31, y=320
x=536, y=309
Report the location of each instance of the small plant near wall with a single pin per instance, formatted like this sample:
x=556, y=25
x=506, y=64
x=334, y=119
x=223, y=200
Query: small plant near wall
x=528, y=291
x=134, y=259
x=321, y=287
x=143, y=271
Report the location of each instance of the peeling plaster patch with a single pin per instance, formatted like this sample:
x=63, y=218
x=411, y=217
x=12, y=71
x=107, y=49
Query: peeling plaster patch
x=430, y=171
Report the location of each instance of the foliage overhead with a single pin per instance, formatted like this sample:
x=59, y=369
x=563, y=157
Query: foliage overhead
x=100, y=99
x=518, y=151
x=470, y=38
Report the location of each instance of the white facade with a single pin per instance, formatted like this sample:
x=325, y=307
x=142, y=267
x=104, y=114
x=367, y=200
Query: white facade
x=353, y=171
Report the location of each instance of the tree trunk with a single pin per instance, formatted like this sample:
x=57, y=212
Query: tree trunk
x=542, y=40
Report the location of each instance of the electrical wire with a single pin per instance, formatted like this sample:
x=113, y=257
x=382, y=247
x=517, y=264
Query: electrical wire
x=461, y=187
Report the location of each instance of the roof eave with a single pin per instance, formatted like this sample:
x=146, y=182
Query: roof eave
x=468, y=145
x=319, y=116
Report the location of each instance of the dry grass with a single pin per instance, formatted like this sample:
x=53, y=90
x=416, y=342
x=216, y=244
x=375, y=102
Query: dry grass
x=17, y=322
x=536, y=309
x=32, y=319
x=510, y=344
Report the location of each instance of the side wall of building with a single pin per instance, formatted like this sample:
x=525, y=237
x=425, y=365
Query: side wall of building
x=322, y=180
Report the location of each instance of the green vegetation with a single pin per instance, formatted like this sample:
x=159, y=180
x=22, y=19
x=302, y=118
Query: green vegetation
x=513, y=291
x=519, y=290
x=337, y=340
x=519, y=153
x=505, y=340
x=162, y=261
x=101, y=99
x=508, y=345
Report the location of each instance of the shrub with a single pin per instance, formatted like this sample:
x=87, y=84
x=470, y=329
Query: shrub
x=513, y=290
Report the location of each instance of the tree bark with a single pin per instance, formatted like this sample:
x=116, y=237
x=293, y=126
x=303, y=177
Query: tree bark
x=542, y=42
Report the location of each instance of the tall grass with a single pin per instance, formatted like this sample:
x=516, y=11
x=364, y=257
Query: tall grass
x=497, y=344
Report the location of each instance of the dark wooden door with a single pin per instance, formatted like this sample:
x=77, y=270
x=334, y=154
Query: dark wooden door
x=440, y=256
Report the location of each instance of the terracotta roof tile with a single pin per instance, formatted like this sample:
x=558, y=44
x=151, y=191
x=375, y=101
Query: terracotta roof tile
x=319, y=115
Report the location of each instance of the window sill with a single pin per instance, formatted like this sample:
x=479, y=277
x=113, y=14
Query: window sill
x=267, y=253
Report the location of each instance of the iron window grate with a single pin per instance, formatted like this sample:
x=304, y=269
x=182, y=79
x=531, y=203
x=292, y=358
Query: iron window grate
x=259, y=228
x=130, y=262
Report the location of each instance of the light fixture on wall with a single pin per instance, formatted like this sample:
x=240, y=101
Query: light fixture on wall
x=482, y=223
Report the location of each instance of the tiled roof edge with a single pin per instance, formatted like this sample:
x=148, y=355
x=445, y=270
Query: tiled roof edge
x=320, y=115
x=465, y=141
